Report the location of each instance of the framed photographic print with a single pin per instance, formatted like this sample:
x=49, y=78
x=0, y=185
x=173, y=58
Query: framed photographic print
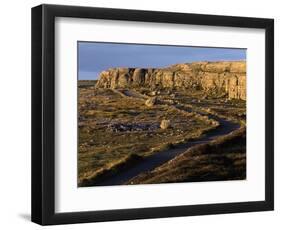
x=142, y=114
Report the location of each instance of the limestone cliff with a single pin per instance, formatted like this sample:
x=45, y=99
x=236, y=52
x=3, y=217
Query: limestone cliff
x=212, y=77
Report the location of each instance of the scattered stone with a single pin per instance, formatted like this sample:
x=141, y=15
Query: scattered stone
x=153, y=93
x=208, y=110
x=214, y=123
x=132, y=127
x=151, y=101
x=170, y=102
x=204, y=97
x=165, y=124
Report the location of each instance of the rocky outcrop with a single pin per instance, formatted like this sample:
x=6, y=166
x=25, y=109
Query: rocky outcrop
x=228, y=78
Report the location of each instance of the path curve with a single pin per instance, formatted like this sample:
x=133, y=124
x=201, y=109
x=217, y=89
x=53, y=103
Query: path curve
x=159, y=158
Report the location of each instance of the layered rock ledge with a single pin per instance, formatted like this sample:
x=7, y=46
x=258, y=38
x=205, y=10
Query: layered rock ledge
x=224, y=77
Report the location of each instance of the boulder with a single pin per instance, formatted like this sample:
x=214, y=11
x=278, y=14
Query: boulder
x=165, y=124
x=151, y=101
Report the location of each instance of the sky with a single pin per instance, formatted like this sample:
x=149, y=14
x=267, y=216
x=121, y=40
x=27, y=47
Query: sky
x=94, y=57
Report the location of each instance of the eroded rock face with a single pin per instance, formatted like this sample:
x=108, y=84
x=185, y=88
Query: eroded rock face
x=212, y=77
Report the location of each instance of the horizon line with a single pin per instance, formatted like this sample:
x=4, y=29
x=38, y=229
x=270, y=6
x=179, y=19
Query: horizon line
x=162, y=67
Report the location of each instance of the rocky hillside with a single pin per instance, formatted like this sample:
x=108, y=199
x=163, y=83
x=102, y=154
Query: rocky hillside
x=227, y=78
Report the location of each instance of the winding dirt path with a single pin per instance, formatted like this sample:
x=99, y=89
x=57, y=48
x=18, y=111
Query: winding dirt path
x=157, y=159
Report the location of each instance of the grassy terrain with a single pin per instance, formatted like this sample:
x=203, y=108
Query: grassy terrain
x=234, y=110
x=103, y=150
x=221, y=159
x=116, y=131
x=86, y=83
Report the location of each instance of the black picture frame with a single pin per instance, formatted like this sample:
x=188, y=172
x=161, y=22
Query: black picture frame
x=43, y=114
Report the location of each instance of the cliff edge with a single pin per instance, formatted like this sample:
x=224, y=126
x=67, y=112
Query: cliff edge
x=228, y=77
